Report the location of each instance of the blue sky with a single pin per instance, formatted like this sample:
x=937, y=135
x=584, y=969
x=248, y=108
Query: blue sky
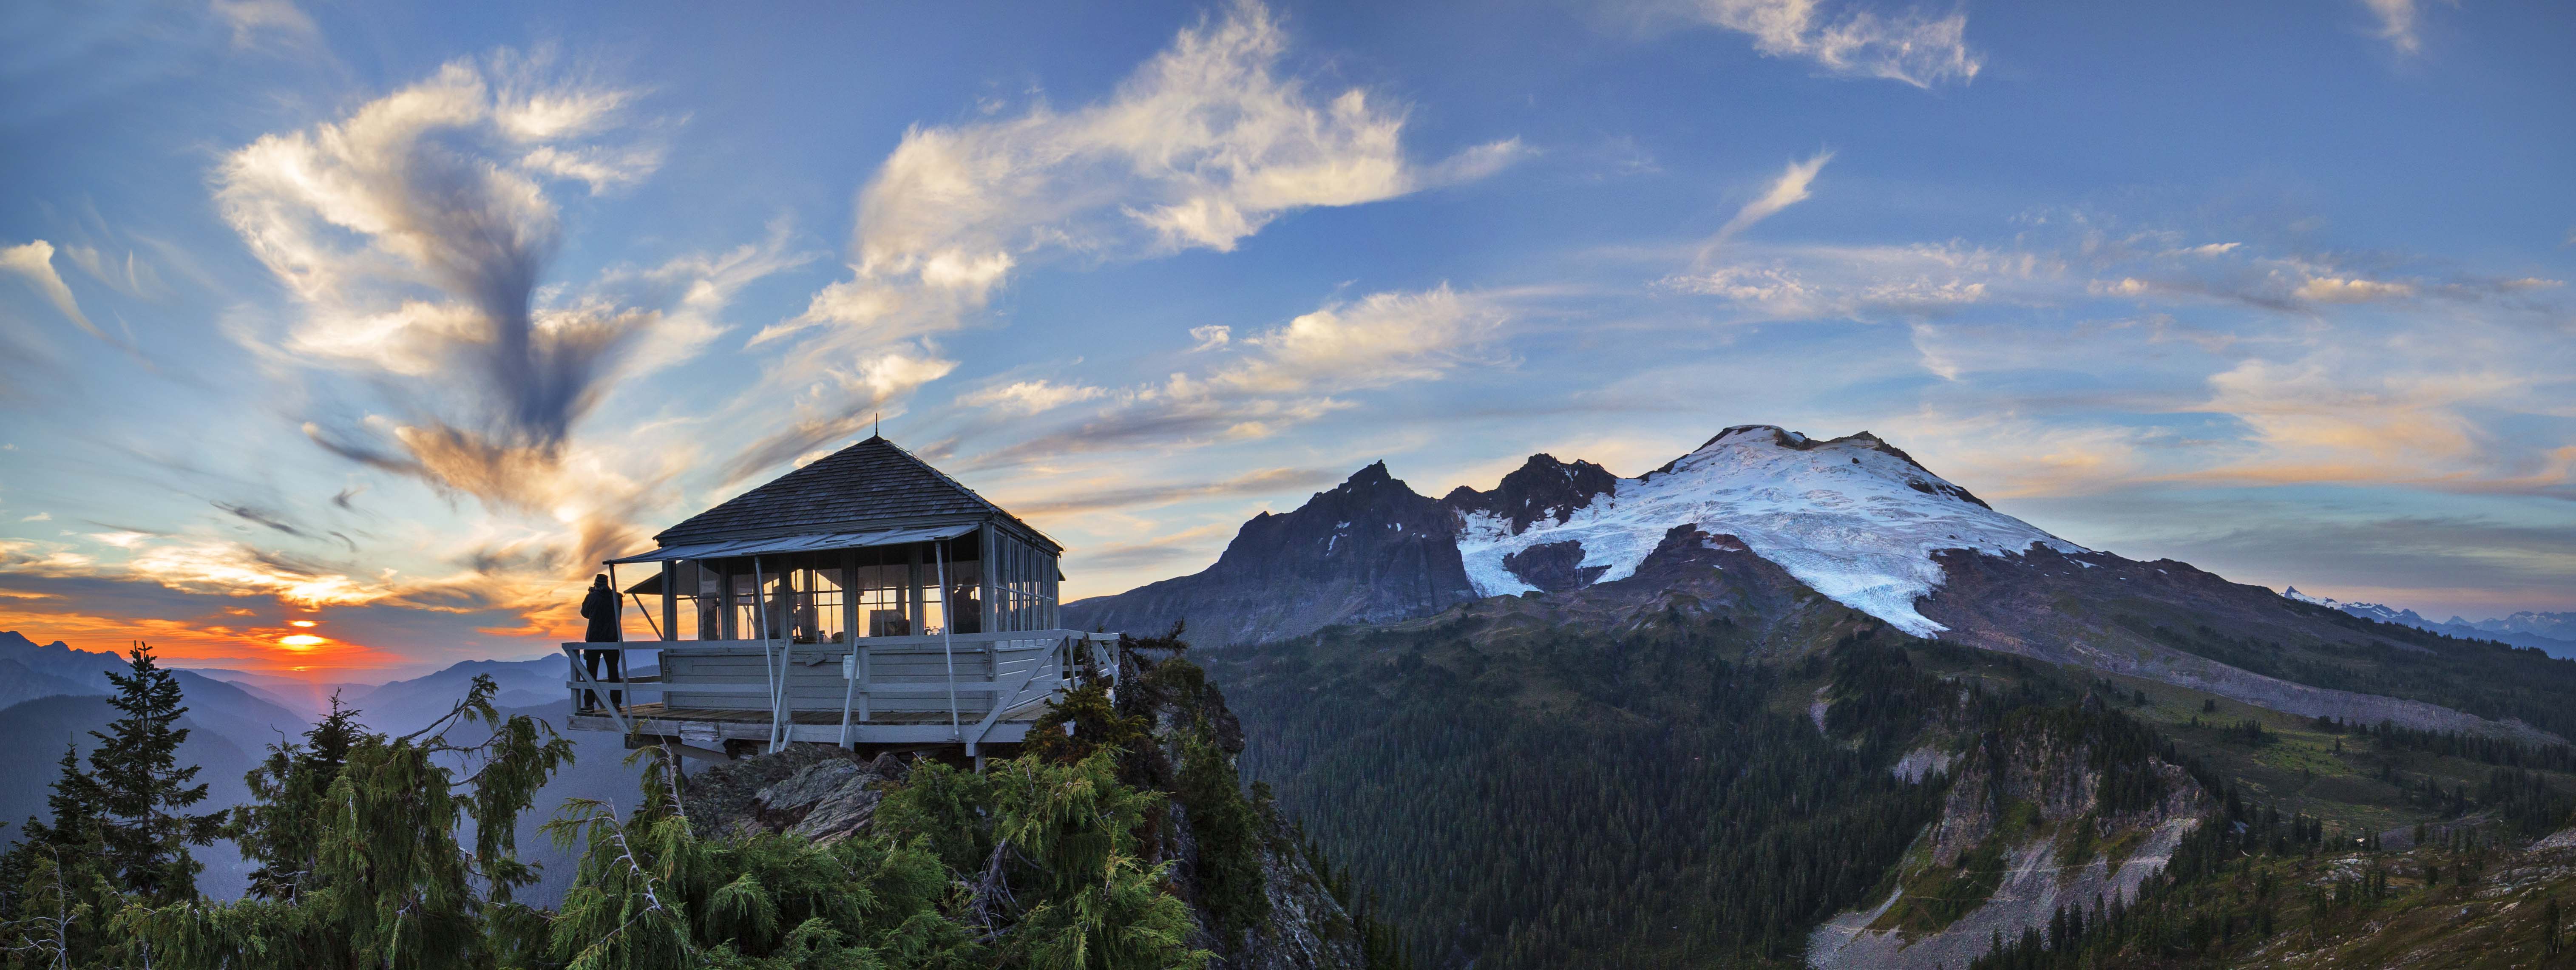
x=389, y=320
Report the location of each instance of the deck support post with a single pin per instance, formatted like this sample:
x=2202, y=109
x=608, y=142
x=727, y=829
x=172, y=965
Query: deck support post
x=947, y=629
x=849, y=687
x=782, y=721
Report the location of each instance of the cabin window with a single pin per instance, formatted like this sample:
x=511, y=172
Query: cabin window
x=794, y=597
x=881, y=583
x=818, y=598
x=1023, y=586
x=699, y=612
x=829, y=596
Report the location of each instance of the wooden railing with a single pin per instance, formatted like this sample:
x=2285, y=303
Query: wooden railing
x=972, y=679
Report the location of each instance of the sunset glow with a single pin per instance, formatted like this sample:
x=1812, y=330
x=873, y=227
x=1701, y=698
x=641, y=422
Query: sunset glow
x=452, y=322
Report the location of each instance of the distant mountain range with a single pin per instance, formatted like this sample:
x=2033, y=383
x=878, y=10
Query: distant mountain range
x=52, y=695
x=2551, y=632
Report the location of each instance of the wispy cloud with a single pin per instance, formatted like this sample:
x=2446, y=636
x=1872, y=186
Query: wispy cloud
x=1031, y=397
x=1203, y=145
x=35, y=262
x=417, y=234
x=1263, y=482
x=258, y=22
x=1156, y=551
x=2327, y=289
x=1906, y=46
x=1862, y=282
x=1787, y=190
x=131, y=275
x=1262, y=384
x=2397, y=23
x=438, y=186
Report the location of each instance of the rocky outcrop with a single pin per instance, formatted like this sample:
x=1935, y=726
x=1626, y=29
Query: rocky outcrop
x=1542, y=488
x=2025, y=829
x=1369, y=551
x=1554, y=567
x=829, y=800
x=827, y=794
x=1306, y=927
x=814, y=790
x=2036, y=882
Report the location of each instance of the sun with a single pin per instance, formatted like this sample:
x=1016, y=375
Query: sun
x=302, y=641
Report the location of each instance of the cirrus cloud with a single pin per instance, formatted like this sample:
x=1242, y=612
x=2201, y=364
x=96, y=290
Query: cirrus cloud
x=1201, y=147
x=1907, y=46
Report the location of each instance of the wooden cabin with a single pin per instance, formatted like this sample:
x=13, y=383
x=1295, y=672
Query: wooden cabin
x=865, y=599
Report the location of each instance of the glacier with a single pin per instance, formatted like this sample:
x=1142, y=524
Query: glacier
x=1853, y=518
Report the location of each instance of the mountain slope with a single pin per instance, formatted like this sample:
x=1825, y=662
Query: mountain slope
x=1369, y=551
x=19, y=683
x=405, y=705
x=1861, y=522
x=1854, y=517
x=33, y=735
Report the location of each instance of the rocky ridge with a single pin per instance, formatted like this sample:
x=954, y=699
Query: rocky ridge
x=828, y=794
x=2024, y=829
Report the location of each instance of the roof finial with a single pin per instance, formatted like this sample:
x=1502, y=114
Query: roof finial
x=879, y=429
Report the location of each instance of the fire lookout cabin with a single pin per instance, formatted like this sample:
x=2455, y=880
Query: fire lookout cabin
x=864, y=600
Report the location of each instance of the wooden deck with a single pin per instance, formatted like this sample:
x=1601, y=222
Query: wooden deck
x=969, y=690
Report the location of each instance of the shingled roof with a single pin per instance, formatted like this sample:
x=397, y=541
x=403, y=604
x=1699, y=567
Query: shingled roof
x=872, y=481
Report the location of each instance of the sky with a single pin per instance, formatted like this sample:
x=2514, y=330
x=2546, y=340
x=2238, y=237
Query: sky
x=346, y=339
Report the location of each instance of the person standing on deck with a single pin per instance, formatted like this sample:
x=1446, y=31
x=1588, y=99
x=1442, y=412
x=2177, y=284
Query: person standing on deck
x=600, y=608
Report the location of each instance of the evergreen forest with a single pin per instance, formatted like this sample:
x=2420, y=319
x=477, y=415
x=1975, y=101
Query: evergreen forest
x=398, y=852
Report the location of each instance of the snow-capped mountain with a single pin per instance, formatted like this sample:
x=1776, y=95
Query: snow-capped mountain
x=2551, y=632
x=1854, y=518
x=2368, y=611
x=2556, y=626
x=1751, y=526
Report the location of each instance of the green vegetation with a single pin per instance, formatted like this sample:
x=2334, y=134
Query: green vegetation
x=1936, y=896
x=398, y=852
x=1554, y=798
x=2490, y=680
x=1658, y=793
x=2252, y=887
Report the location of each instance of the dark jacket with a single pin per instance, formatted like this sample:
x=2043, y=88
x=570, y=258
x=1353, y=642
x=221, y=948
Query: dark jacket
x=600, y=608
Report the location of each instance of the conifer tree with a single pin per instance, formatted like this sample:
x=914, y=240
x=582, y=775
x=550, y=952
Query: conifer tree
x=142, y=792
x=277, y=829
x=49, y=879
x=390, y=884
x=73, y=805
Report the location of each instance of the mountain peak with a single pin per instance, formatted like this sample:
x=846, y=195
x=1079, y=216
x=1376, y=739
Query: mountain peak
x=1853, y=517
x=1373, y=474
x=1542, y=488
